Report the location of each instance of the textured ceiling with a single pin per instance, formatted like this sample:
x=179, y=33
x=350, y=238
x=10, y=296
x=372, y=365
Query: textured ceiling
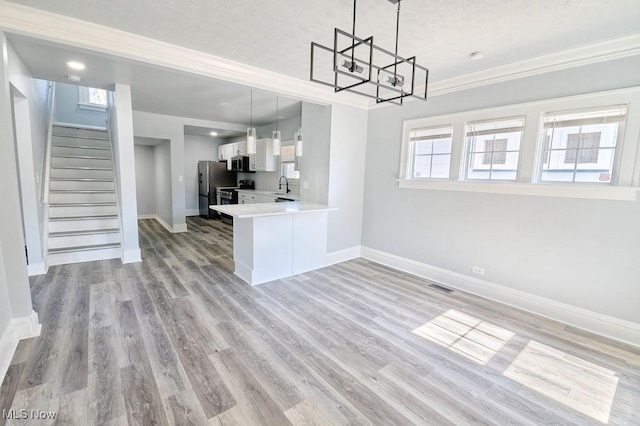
x=275, y=34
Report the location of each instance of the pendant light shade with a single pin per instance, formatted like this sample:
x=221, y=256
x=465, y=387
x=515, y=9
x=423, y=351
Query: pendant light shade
x=299, y=143
x=251, y=133
x=277, y=137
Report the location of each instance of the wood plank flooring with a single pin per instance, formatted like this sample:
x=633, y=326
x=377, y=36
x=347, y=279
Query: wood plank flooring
x=178, y=339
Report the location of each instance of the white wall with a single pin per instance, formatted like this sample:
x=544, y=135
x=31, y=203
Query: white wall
x=314, y=163
x=145, y=179
x=162, y=160
x=30, y=105
x=196, y=148
x=121, y=126
x=67, y=110
x=575, y=251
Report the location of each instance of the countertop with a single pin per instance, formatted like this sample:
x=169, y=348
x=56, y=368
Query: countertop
x=274, y=193
x=242, y=211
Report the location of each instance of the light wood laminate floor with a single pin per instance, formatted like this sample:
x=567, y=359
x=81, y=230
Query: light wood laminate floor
x=178, y=339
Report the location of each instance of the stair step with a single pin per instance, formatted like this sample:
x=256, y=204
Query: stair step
x=81, y=157
x=82, y=191
x=79, y=137
x=84, y=224
x=73, y=179
x=91, y=217
x=97, y=203
x=77, y=239
x=98, y=148
x=84, y=248
x=81, y=168
x=84, y=232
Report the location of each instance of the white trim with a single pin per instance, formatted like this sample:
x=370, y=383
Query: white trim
x=181, y=227
x=79, y=126
x=27, y=327
x=146, y=216
x=83, y=256
x=44, y=25
x=91, y=107
x=163, y=223
x=604, y=325
x=595, y=191
x=343, y=255
x=8, y=344
x=192, y=212
x=131, y=256
x=34, y=269
x=18, y=329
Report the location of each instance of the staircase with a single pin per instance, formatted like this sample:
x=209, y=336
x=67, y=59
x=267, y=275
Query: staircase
x=83, y=223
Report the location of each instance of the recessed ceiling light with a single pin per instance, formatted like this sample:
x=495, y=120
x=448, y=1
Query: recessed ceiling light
x=476, y=55
x=214, y=133
x=75, y=65
x=225, y=104
x=75, y=78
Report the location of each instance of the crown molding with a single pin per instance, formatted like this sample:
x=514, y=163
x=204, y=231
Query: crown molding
x=35, y=23
x=31, y=22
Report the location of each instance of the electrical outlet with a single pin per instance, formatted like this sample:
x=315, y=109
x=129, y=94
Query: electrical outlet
x=305, y=184
x=180, y=178
x=477, y=270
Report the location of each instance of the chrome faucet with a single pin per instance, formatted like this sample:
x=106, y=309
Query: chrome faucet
x=286, y=181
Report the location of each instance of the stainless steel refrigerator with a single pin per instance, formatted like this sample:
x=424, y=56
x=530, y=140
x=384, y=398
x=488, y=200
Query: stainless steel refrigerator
x=213, y=175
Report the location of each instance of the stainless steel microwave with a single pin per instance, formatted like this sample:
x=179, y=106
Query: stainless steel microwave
x=243, y=163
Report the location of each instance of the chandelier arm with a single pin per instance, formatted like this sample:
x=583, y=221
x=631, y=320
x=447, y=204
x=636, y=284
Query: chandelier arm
x=353, y=42
x=395, y=67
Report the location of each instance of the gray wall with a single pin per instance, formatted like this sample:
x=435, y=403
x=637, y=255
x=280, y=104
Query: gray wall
x=67, y=110
x=577, y=251
x=5, y=307
x=196, y=148
x=314, y=163
x=162, y=153
x=145, y=179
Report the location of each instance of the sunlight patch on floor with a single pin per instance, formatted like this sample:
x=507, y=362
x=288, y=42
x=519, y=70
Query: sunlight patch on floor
x=574, y=382
x=465, y=335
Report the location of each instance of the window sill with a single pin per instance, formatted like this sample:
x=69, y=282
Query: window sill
x=91, y=107
x=598, y=192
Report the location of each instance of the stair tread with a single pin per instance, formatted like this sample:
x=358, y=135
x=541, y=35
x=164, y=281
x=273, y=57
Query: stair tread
x=97, y=203
x=84, y=248
x=59, y=125
x=80, y=136
x=80, y=168
x=82, y=157
x=99, y=148
x=82, y=179
x=90, y=217
x=82, y=191
x=84, y=232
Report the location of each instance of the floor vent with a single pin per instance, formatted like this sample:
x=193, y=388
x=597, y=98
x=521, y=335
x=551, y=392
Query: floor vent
x=441, y=288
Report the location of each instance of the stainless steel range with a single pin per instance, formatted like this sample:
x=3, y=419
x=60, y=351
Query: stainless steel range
x=227, y=196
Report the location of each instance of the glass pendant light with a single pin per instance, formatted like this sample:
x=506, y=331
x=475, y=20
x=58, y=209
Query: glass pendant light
x=277, y=137
x=251, y=132
x=298, y=138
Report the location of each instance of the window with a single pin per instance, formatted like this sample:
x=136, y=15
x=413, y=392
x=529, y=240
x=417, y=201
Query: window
x=431, y=148
x=92, y=98
x=287, y=162
x=494, y=148
x=581, y=146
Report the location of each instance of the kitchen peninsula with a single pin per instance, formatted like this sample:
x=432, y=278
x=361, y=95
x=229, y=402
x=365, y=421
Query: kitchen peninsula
x=277, y=240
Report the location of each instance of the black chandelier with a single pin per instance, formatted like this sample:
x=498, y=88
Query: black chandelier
x=361, y=67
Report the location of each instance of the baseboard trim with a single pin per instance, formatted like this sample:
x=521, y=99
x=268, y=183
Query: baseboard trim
x=603, y=325
x=18, y=329
x=192, y=212
x=343, y=255
x=181, y=227
x=131, y=256
x=146, y=216
x=34, y=269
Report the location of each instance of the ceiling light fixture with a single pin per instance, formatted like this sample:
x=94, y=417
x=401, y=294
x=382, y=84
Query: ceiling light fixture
x=390, y=79
x=298, y=138
x=251, y=132
x=277, y=137
x=74, y=78
x=78, y=66
x=225, y=104
x=476, y=55
x=214, y=133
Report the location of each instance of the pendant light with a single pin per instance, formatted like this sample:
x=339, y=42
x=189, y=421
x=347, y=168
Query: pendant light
x=277, y=137
x=251, y=132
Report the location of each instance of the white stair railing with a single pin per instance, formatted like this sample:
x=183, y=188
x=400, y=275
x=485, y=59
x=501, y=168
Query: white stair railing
x=49, y=135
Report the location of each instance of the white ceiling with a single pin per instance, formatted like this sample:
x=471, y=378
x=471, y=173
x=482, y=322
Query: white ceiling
x=154, y=89
x=275, y=34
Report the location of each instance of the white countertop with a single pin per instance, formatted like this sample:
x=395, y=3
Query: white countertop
x=242, y=211
x=274, y=193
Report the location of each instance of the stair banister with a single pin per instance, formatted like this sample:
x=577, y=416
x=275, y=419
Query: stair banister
x=51, y=90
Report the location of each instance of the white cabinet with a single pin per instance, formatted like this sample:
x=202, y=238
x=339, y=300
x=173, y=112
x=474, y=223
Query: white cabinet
x=228, y=150
x=251, y=197
x=265, y=159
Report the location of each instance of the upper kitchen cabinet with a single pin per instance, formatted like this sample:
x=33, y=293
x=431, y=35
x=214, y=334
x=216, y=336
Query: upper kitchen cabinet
x=265, y=159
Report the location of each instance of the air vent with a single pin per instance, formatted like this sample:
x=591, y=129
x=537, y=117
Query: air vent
x=441, y=288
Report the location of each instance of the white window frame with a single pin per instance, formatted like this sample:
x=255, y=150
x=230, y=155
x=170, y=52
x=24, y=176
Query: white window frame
x=627, y=167
x=84, y=103
x=412, y=154
x=288, y=143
